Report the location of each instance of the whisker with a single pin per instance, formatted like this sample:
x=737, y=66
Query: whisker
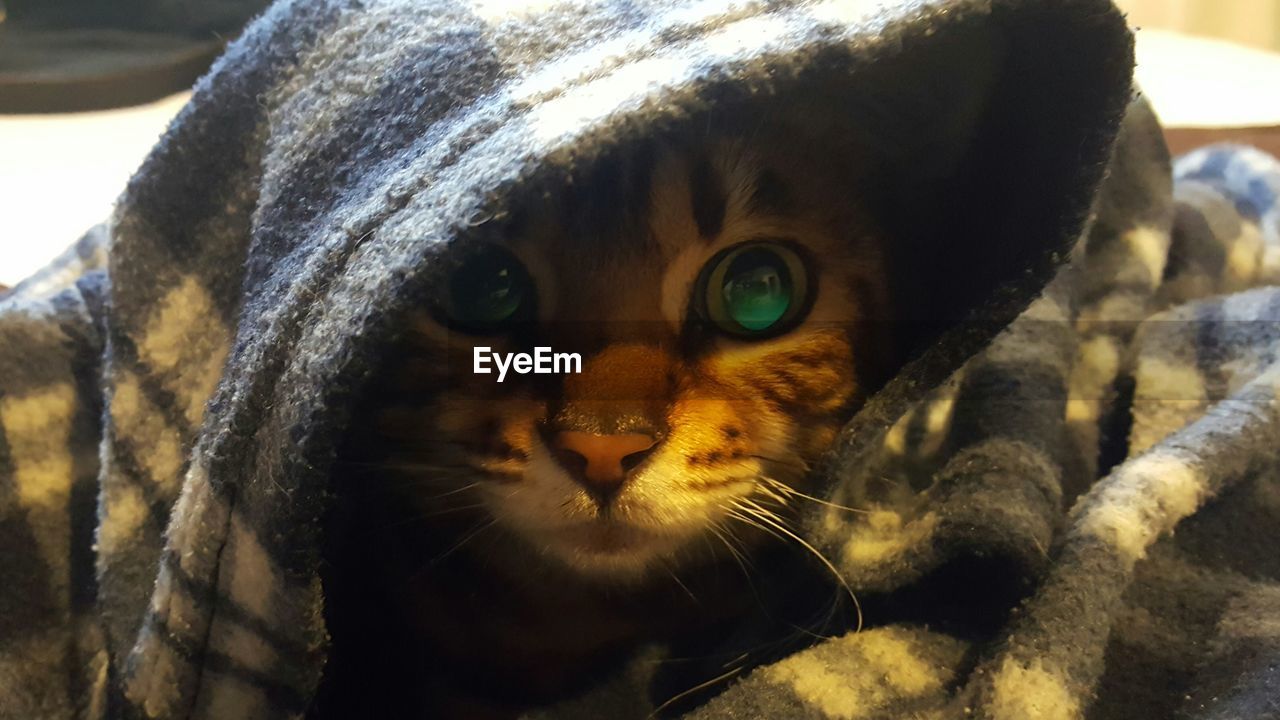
x=739, y=558
x=782, y=500
x=471, y=535
x=409, y=466
x=743, y=560
x=400, y=481
x=799, y=465
x=683, y=587
x=453, y=509
x=700, y=686
x=889, y=481
x=769, y=518
x=454, y=491
x=423, y=517
x=465, y=539
x=790, y=491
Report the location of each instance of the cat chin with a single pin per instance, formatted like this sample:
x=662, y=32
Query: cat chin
x=610, y=553
x=626, y=568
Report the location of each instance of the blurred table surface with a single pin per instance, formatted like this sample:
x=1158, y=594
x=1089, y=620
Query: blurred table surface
x=60, y=174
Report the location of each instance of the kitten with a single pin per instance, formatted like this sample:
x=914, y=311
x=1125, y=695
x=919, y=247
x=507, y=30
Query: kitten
x=727, y=295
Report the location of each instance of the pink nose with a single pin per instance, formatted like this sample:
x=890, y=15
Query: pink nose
x=601, y=463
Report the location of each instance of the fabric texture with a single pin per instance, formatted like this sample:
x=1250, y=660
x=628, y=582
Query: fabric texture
x=173, y=389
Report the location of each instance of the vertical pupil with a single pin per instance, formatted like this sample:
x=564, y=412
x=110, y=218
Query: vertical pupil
x=757, y=290
x=498, y=288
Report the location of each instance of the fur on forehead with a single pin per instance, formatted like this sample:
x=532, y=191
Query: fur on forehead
x=600, y=205
x=652, y=198
x=699, y=194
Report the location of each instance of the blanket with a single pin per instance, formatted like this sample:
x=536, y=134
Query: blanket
x=1092, y=355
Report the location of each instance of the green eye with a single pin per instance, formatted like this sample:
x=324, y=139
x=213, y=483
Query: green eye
x=488, y=292
x=755, y=289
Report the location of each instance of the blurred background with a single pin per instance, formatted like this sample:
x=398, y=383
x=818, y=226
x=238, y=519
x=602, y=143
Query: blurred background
x=1248, y=22
x=1210, y=67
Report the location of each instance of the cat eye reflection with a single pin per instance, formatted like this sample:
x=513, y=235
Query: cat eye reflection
x=488, y=293
x=755, y=290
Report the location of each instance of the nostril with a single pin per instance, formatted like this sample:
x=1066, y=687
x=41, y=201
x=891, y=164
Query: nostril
x=571, y=460
x=601, y=463
x=632, y=461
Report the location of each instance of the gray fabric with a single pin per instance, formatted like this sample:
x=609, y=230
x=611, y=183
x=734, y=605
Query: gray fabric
x=1125, y=618
x=168, y=419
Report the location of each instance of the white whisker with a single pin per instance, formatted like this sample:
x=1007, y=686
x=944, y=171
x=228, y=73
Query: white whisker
x=767, y=517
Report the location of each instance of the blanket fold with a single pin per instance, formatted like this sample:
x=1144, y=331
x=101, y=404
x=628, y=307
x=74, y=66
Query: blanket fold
x=1091, y=333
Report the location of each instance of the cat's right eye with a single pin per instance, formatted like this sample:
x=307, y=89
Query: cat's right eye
x=488, y=293
x=755, y=290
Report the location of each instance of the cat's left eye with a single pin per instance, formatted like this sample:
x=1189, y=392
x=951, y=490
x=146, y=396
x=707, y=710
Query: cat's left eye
x=488, y=293
x=755, y=290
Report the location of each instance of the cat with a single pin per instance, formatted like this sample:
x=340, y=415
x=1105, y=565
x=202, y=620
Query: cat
x=728, y=295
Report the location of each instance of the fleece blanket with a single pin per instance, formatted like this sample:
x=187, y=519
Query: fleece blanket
x=172, y=390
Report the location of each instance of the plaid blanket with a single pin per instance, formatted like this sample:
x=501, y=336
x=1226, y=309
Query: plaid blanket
x=173, y=388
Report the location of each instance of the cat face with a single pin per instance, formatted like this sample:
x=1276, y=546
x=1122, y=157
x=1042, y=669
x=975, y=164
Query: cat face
x=726, y=298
